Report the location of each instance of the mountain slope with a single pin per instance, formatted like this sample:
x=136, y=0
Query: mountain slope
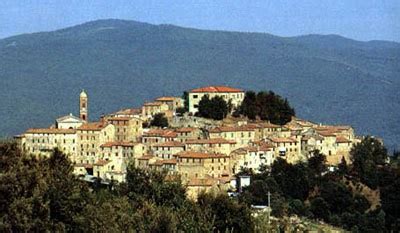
x=328, y=79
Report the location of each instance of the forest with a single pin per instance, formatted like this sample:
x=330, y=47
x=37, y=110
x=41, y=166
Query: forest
x=43, y=194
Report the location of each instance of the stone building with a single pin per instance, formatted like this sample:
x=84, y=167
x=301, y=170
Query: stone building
x=126, y=128
x=90, y=137
x=201, y=165
x=41, y=142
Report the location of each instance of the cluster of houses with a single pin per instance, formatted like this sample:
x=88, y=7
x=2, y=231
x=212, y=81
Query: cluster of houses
x=206, y=154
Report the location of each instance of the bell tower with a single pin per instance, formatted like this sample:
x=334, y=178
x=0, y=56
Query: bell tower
x=83, y=106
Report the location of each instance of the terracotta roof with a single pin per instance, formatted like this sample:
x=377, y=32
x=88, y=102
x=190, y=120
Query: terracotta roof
x=160, y=133
x=199, y=155
x=308, y=137
x=210, y=141
x=119, y=118
x=146, y=157
x=93, y=126
x=85, y=165
x=283, y=140
x=231, y=129
x=167, y=98
x=152, y=104
x=259, y=148
x=269, y=125
x=184, y=130
x=327, y=133
x=264, y=144
x=332, y=127
x=110, y=144
x=170, y=144
x=341, y=139
x=101, y=162
x=161, y=162
x=216, y=89
x=51, y=131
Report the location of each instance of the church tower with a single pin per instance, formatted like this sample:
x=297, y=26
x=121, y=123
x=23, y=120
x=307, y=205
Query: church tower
x=83, y=106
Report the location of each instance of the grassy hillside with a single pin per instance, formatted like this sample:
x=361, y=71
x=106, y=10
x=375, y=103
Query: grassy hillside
x=328, y=79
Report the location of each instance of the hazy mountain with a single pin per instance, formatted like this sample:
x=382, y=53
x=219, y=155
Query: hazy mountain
x=328, y=79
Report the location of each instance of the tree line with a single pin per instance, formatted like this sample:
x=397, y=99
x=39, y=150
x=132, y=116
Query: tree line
x=39, y=195
x=339, y=198
x=263, y=105
x=43, y=194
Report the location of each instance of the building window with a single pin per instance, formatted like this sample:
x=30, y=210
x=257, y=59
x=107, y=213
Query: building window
x=195, y=96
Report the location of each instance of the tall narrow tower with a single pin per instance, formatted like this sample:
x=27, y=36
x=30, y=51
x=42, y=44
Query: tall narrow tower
x=83, y=106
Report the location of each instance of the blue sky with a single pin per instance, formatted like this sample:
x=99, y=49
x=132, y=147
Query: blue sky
x=357, y=19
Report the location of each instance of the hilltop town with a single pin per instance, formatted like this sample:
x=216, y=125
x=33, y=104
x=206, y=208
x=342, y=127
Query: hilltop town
x=207, y=154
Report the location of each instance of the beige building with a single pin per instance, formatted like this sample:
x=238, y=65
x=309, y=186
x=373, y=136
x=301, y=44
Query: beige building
x=287, y=148
x=172, y=102
x=41, y=142
x=109, y=170
x=150, y=109
x=213, y=145
x=154, y=136
x=201, y=165
x=126, y=128
x=90, y=137
x=127, y=151
x=188, y=133
x=69, y=122
x=242, y=135
x=166, y=150
x=251, y=157
x=195, y=186
x=229, y=94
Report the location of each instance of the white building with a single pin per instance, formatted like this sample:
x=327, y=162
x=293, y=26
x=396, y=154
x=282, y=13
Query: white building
x=234, y=95
x=69, y=122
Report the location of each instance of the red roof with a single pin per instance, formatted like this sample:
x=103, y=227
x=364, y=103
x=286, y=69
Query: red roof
x=152, y=104
x=119, y=118
x=283, y=140
x=341, y=139
x=102, y=162
x=170, y=144
x=124, y=144
x=160, y=133
x=51, y=131
x=93, y=126
x=199, y=155
x=232, y=129
x=185, y=130
x=161, y=162
x=216, y=89
x=210, y=141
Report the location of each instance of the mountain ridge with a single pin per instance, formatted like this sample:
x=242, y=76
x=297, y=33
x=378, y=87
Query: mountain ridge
x=328, y=80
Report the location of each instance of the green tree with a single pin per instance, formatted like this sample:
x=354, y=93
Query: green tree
x=267, y=106
x=366, y=157
x=293, y=180
x=229, y=214
x=320, y=209
x=215, y=108
x=317, y=163
x=185, y=97
x=159, y=120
